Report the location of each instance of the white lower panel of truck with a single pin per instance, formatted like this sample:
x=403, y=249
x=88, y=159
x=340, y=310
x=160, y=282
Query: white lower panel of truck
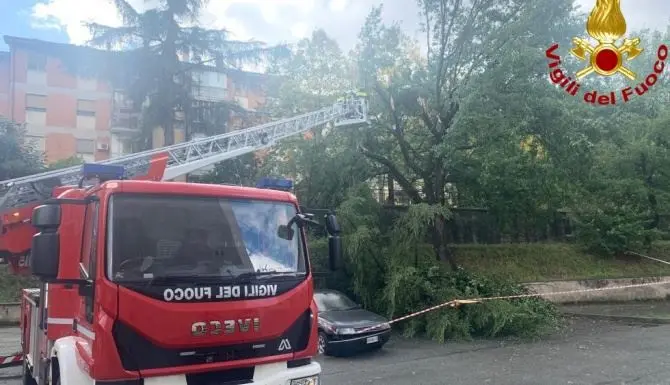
x=277, y=373
x=269, y=374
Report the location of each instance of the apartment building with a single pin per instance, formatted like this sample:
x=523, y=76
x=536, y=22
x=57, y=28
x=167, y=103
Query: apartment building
x=69, y=115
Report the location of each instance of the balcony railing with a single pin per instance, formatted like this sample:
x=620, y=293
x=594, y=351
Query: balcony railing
x=210, y=94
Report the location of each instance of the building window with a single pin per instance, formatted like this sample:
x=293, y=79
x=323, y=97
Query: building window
x=37, y=62
x=36, y=103
x=85, y=146
x=86, y=107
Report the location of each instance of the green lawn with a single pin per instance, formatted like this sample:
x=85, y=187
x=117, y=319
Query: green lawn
x=556, y=261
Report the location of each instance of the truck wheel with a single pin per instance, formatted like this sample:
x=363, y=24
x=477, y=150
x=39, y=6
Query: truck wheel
x=323, y=343
x=28, y=375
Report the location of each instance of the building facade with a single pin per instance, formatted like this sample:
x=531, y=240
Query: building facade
x=68, y=115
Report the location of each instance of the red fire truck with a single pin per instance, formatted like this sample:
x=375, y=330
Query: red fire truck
x=152, y=282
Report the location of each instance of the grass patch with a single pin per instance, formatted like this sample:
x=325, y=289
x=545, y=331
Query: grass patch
x=11, y=285
x=556, y=261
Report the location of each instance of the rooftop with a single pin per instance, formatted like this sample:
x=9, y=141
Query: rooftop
x=69, y=50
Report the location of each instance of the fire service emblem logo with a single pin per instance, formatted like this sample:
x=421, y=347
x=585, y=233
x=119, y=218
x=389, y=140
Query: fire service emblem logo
x=606, y=55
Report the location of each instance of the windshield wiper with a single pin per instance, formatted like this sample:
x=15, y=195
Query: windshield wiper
x=268, y=274
x=181, y=278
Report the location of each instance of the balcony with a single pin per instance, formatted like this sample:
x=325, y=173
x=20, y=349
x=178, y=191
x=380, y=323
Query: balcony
x=209, y=94
x=125, y=118
x=125, y=123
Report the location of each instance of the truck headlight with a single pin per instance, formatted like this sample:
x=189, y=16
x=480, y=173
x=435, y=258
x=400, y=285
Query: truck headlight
x=311, y=380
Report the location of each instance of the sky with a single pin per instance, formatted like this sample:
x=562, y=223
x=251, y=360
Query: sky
x=271, y=21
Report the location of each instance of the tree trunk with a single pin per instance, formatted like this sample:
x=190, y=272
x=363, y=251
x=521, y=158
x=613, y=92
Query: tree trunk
x=440, y=244
x=172, y=65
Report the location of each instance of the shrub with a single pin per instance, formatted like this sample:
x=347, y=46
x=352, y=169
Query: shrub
x=411, y=289
x=394, y=273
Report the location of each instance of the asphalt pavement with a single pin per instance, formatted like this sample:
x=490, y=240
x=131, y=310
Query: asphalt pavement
x=586, y=352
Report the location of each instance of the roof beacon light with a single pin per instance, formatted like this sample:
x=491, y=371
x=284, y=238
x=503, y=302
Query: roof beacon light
x=275, y=184
x=103, y=172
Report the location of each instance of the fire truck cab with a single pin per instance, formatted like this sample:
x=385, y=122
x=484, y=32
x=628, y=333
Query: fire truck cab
x=171, y=283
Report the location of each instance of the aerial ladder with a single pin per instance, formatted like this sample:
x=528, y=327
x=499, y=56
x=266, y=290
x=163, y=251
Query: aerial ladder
x=19, y=196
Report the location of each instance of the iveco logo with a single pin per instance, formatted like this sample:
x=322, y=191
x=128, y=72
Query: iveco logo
x=230, y=326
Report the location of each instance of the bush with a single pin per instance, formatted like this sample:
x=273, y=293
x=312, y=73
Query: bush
x=11, y=285
x=394, y=273
x=413, y=289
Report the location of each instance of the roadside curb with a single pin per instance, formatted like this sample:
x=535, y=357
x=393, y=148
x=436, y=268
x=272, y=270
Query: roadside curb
x=646, y=320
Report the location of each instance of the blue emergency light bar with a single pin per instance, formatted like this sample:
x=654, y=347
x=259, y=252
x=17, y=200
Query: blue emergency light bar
x=103, y=172
x=275, y=184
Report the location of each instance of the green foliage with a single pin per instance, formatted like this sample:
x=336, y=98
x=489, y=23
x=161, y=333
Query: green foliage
x=413, y=289
x=628, y=188
x=12, y=284
x=17, y=158
x=395, y=274
x=242, y=170
x=65, y=163
x=154, y=41
x=537, y=262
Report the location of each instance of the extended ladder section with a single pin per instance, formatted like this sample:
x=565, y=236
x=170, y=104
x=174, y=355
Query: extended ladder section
x=187, y=157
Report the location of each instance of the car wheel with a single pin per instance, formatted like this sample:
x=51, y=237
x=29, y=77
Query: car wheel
x=323, y=343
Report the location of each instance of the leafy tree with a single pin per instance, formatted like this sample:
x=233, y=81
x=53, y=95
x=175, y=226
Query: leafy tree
x=241, y=171
x=425, y=128
x=157, y=39
x=324, y=162
x=16, y=157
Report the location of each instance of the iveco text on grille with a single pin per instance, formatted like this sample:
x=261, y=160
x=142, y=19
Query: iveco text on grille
x=215, y=328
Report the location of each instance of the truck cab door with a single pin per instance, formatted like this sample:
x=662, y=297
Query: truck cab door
x=88, y=267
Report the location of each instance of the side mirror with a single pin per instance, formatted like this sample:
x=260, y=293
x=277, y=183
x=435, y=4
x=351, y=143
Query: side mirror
x=285, y=232
x=334, y=242
x=46, y=216
x=45, y=244
x=334, y=252
x=331, y=225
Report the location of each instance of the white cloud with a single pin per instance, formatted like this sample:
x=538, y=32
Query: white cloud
x=300, y=30
x=269, y=11
x=70, y=16
x=275, y=21
x=272, y=21
x=338, y=5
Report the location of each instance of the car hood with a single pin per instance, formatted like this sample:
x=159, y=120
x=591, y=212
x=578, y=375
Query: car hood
x=355, y=318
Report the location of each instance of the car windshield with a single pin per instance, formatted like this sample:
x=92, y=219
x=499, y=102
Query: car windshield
x=330, y=301
x=167, y=236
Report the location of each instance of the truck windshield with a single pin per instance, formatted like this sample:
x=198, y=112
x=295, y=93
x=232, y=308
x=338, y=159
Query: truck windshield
x=166, y=236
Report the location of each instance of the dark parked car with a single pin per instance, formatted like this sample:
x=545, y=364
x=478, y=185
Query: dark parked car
x=345, y=328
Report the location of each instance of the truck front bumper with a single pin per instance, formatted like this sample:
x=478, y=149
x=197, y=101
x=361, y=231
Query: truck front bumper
x=269, y=374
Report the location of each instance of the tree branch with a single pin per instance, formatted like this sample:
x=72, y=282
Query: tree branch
x=406, y=185
x=398, y=133
x=427, y=120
